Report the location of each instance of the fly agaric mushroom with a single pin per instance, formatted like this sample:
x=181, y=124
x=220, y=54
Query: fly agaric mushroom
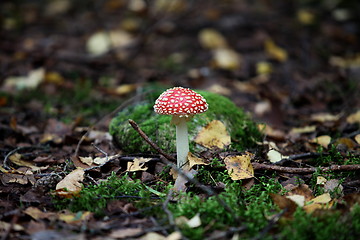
x=182, y=104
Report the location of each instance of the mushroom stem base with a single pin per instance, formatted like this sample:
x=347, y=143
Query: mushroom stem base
x=182, y=143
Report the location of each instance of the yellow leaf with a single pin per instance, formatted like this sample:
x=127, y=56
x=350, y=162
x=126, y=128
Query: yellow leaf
x=16, y=159
x=194, y=160
x=263, y=68
x=320, y=180
x=138, y=164
x=324, y=117
x=320, y=202
x=226, y=58
x=239, y=167
x=211, y=38
x=125, y=89
x=354, y=118
x=357, y=138
x=324, y=140
x=306, y=129
x=305, y=16
x=71, y=184
x=72, y=218
x=213, y=135
x=275, y=51
x=37, y=214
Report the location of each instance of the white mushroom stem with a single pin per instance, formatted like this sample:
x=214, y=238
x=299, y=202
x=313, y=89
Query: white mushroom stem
x=182, y=140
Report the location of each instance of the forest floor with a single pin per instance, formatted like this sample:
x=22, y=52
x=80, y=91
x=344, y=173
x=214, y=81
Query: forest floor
x=67, y=67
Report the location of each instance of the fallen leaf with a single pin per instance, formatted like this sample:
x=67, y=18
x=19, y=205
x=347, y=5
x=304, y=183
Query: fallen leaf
x=71, y=184
x=211, y=38
x=191, y=223
x=324, y=140
x=138, y=164
x=194, y=222
x=320, y=180
x=194, y=160
x=333, y=185
x=263, y=68
x=125, y=89
x=320, y=202
x=31, y=81
x=348, y=142
x=4, y=226
x=354, y=118
x=213, y=135
x=324, y=117
x=298, y=199
x=125, y=232
x=16, y=159
x=74, y=218
x=226, y=58
x=305, y=16
x=37, y=214
x=357, y=138
x=300, y=130
x=101, y=42
x=239, y=167
x=275, y=156
x=284, y=203
x=275, y=51
x=86, y=160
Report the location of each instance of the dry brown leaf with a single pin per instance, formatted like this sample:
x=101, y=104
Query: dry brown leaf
x=324, y=140
x=284, y=203
x=37, y=214
x=239, y=167
x=4, y=226
x=213, y=135
x=138, y=164
x=348, y=142
x=71, y=184
x=194, y=160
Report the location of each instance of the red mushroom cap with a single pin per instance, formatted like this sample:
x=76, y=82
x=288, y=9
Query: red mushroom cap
x=180, y=101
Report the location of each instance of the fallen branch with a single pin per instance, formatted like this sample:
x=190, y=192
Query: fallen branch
x=338, y=168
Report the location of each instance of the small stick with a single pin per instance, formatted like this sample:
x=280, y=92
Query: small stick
x=344, y=168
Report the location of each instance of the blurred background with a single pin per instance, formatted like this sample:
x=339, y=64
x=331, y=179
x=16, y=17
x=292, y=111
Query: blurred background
x=279, y=60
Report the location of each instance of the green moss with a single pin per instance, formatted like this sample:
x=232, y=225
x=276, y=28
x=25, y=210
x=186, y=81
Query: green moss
x=242, y=130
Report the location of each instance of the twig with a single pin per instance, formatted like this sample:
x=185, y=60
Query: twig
x=167, y=160
x=343, y=168
x=5, y=163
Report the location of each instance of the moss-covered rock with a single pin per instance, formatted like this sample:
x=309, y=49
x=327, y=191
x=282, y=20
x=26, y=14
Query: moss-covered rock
x=243, y=131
